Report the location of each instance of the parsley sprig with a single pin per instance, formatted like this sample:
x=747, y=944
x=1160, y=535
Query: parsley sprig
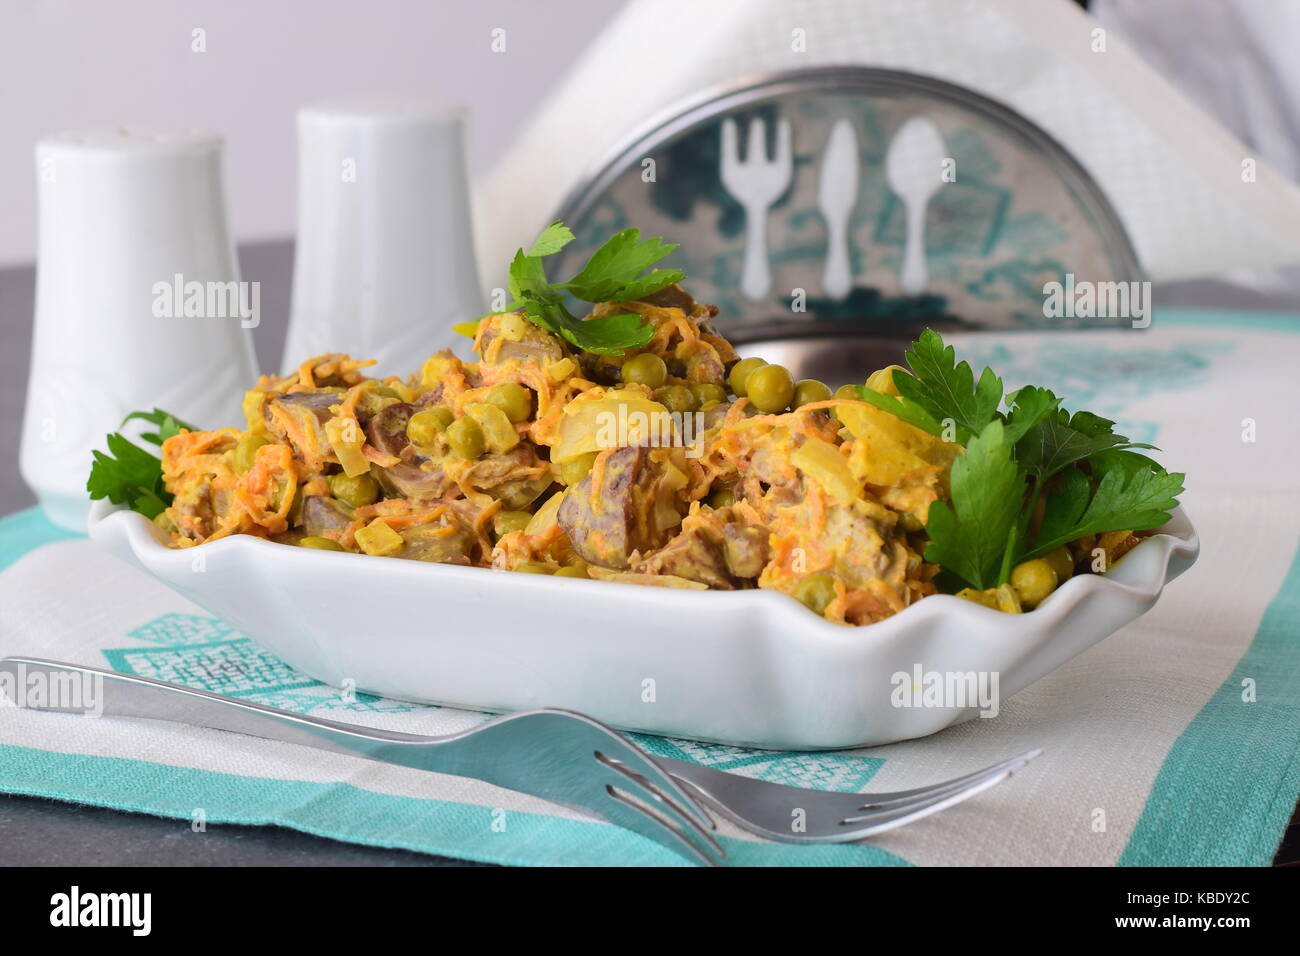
x=612, y=274
x=1089, y=478
x=131, y=475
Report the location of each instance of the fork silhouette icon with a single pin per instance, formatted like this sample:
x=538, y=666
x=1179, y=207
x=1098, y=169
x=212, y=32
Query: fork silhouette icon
x=756, y=183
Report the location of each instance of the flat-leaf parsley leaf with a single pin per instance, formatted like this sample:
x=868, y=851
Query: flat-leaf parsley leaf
x=130, y=475
x=1033, y=476
x=612, y=274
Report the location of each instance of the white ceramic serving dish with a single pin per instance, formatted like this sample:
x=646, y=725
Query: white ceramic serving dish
x=752, y=668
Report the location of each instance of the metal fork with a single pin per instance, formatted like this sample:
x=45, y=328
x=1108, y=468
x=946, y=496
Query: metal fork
x=756, y=183
x=550, y=754
x=796, y=815
x=557, y=755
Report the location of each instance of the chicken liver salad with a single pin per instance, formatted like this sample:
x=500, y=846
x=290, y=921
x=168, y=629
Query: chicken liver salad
x=634, y=445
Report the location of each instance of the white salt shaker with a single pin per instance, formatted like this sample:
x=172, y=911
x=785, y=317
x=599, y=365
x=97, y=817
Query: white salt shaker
x=138, y=300
x=384, y=263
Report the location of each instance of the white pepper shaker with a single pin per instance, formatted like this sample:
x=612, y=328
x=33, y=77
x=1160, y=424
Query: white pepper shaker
x=384, y=263
x=138, y=300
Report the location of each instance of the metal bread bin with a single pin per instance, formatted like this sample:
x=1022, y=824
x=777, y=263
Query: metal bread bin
x=851, y=202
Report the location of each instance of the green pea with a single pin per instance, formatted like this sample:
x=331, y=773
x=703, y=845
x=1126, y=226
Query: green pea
x=507, y=521
x=677, y=398
x=816, y=592
x=724, y=496
x=706, y=392
x=809, y=390
x=645, y=369
x=576, y=469
x=530, y=567
x=425, y=426
x=740, y=373
x=1062, y=563
x=513, y=399
x=466, y=438
x=770, y=388
x=572, y=571
x=358, y=491
x=321, y=544
x=848, y=393
x=387, y=391
x=246, y=451
x=1033, y=581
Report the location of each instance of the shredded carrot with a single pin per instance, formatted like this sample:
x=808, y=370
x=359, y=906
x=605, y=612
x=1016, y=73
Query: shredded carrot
x=304, y=432
x=378, y=457
x=800, y=528
x=598, y=481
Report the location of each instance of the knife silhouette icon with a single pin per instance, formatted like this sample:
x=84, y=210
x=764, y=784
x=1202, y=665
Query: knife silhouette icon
x=837, y=194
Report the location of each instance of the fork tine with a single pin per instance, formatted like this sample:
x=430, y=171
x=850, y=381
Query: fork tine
x=664, y=800
x=881, y=821
x=626, y=812
x=907, y=797
x=756, y=146
x=630, y=757
x=784, y=150
x=922, y=803
x=730, y=147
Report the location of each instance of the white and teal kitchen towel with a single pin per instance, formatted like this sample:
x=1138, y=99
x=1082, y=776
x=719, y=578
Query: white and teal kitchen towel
x=1175, y=741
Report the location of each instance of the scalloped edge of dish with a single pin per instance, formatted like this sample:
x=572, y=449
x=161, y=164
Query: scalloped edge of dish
x=1167, y=554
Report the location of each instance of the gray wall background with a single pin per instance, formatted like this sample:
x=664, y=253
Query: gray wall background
x=67, y=64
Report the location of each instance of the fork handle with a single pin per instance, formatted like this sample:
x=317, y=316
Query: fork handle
x=123, y=695
x=756, y=277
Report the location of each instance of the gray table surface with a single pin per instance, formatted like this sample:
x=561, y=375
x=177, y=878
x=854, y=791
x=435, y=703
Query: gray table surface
x=39, y=832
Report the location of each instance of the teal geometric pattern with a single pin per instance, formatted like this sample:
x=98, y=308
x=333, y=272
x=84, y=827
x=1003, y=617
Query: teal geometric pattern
x=234, y=668
x=184, y=629
x=1101, y=378
x=208, y=654
x=323, y=698
x=839, y=773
